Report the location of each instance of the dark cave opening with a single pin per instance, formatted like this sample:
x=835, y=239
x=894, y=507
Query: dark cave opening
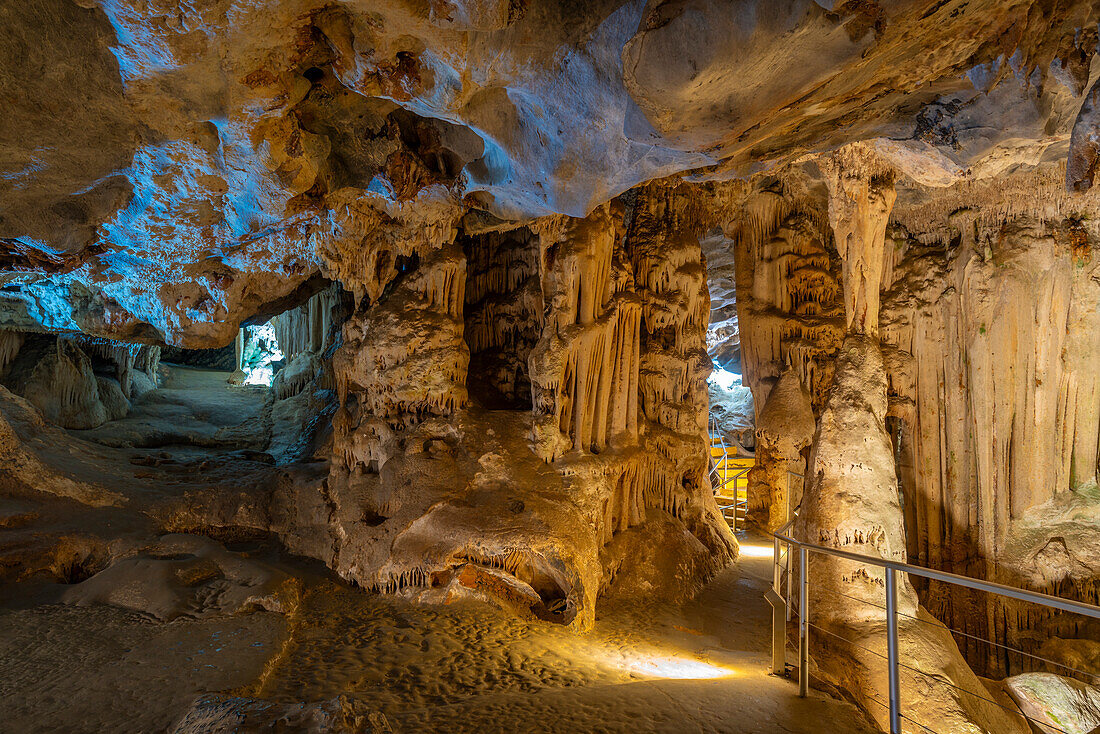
x=501, y=316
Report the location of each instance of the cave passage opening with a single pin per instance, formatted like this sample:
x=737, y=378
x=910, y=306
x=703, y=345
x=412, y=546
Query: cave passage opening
x=265, y=395
x=502, y=316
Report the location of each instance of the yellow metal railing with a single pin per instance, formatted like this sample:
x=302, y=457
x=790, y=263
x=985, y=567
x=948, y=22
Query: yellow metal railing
x=729, y=478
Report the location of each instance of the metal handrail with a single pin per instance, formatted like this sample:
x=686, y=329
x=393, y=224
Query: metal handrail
x=725, y=478
x=892, y=568
x=1066, y=605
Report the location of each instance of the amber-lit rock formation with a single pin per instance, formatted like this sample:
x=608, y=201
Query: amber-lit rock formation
x=785, y=430
x=852, y=501
x=500, y=245
x=998, y=434
x=609, y=322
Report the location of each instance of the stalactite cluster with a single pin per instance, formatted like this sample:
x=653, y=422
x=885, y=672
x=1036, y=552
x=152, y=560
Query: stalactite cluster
x=790, y=314
x=591, y=333
x=585, y=366
x=790, y=295
x=402, y=360
x=308, y=327
x=502, y=315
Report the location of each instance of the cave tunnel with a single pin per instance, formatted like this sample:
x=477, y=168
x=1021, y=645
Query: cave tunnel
x=521, y=365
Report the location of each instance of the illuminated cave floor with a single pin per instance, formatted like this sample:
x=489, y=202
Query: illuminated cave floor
x=700, y=668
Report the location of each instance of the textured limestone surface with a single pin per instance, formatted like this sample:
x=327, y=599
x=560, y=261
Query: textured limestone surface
x=1058, y=704
x=184, y=166
x=488, y=253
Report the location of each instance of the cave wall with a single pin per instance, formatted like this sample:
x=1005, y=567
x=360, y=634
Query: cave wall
x=989, y=339
x=526, y=496
x=995, y=390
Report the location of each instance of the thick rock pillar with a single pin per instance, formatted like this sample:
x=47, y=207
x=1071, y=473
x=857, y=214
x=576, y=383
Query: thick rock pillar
x=785, y=428
x=852, y=499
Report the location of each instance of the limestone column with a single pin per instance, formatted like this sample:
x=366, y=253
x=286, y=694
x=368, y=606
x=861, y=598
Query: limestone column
x=785, y=428
x=852, y=500
x=852, y=496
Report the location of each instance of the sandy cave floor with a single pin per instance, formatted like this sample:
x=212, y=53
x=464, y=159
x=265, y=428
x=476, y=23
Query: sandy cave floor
x=701, y=667
x=464, y=667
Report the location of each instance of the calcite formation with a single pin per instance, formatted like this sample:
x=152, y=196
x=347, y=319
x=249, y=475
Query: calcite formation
x=603, y=323
x=58, y=375
x=500, y=244
x=785, y=431
x=852, y=500
x=1056, y=703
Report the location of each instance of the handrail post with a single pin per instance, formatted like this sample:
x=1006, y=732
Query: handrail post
x=790, y=580
x=892, y=649
x=803, y=622
x=779, y=614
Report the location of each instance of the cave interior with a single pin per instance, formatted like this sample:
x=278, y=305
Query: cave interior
x=453, y=365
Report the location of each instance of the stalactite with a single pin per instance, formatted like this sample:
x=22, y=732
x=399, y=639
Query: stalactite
x=10, y=343
x=307, y=328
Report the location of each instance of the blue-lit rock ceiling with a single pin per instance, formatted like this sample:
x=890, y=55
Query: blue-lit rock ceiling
x=170, y=168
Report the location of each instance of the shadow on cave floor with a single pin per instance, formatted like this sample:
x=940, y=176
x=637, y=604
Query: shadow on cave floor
x=461, y=667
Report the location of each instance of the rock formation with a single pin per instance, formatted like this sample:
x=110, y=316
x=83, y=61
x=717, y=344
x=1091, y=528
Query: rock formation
x=499, y=246
x=58, y=375
x=604, y=326
x=1057, y=704
x=852, y=500
x=786, y=428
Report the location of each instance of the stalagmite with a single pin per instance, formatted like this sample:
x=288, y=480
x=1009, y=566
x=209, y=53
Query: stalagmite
x=58, y=375
x=852, y=500
x=785, y=428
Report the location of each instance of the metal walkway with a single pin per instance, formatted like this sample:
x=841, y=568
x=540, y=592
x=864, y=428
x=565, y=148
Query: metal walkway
x=729, y=477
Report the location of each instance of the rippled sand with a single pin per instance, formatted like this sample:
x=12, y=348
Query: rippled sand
x=345, y=660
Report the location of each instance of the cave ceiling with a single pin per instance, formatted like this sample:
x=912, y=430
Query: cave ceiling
x=171, y=168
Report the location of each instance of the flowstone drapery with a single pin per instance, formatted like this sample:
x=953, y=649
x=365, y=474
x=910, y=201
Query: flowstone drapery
x=852, y=500
x=604, y=319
